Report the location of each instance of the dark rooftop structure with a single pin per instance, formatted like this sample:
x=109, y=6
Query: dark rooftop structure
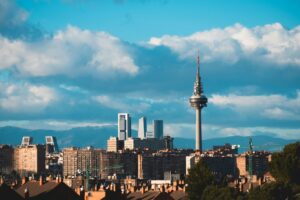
x=7, y=193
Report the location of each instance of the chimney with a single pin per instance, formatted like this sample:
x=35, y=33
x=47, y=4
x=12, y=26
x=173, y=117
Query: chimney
x=77, y=190
x=184, y=187
x=41, y=180
x=57, y=179
x=260, y=181
x=82, y=192
x=162, y=188
x=174, y=183
x=132, y=189
x=23, y=180
x=60, y=179
x=26, y=194
x=142, y=190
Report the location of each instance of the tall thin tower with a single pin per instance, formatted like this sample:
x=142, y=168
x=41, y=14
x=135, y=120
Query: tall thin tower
x=198, y=100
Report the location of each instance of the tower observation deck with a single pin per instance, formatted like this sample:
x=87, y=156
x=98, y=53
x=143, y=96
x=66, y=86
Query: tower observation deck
x=198, y=100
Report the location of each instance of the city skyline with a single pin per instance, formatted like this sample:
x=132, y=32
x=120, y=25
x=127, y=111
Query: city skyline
x=95, y=65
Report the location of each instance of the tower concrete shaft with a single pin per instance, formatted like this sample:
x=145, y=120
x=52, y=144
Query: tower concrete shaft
x=198, y=100
x=198, y=130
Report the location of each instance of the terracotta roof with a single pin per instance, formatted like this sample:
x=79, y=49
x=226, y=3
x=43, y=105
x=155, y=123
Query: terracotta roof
x=7, y=193
x=35, y=189
x=179, y=195
x=60, y=192
x=48, y=191
x=150, y=195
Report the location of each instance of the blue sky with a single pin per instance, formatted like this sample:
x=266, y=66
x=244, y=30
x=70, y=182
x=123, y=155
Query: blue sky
x=74, y=63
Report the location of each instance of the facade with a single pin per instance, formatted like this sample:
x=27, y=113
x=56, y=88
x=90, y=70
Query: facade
x=78, y=161
x=260, y=162
x=241, y=165
x=148, y=143
x=114, y=144
x=118, y=164
x=124, y=126
x=198, y=101
x=149, y=134
x=6, y=159
x=29, y=159
x=190, y=161
x=158, y=129
x=153, y=166
x=142, y=128
x=220, y=165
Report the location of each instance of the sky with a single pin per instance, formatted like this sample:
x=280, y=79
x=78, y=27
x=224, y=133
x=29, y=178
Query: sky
x=70, y=63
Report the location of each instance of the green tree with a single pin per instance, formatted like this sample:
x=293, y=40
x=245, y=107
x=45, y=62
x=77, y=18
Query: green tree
x=285, y=166
x=199, y=177
x=271, y=191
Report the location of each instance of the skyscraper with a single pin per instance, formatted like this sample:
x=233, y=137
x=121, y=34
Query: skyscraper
x=158, y=129
x=124, y=126
x=142, y=127
x=26, y=140
x=198, y=100
x=51, y=144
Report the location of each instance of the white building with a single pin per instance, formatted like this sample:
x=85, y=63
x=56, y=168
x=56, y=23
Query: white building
x=142, y=127
x=148, y=143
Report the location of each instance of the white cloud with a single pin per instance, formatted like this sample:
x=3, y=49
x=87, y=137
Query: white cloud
x=72, y=52
x=26, y=98
x=121, y=104
x=269, y=43
x=270, y=106
x=279, y=113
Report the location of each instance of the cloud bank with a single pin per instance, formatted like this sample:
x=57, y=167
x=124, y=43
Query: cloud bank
x=270, y=43
x=70, y=52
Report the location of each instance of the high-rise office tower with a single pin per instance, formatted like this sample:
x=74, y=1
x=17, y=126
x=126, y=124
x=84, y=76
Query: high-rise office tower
x=142, y=127
x=26, y=140
x=124, y=126
x=198, y=100
x=158, y=129
x=51, y=144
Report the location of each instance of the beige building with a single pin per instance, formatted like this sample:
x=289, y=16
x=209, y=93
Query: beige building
x=114, y=144
x=241, y=165
x=29, y=159
x=260, y=162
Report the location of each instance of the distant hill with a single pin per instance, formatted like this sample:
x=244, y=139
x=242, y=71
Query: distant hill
x=97, y=137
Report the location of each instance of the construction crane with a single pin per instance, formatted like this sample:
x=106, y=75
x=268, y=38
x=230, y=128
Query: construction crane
x=250, y=163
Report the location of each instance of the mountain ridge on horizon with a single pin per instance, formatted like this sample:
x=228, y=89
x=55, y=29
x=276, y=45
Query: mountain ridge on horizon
x=89, y=136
